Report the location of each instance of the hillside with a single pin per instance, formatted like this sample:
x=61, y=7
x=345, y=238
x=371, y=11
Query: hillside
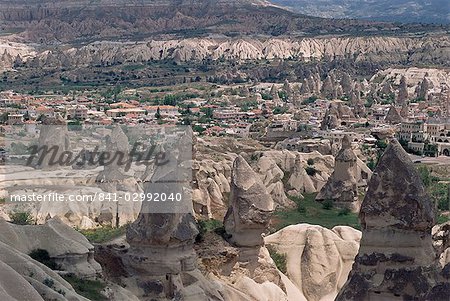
x=68, y=21
x=434, y=11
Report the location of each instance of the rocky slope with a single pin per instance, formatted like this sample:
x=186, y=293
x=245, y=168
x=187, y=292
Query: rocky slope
x=48, y=21
x=394, y=11
x=396, y=259
x=381, y=49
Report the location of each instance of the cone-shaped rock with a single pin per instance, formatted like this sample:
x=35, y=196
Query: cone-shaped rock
x=393, y=116
x=251, y=206
x=342, y=186
x=396, y=259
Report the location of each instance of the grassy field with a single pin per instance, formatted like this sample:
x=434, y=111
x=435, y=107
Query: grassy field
x=90, y=289
x=103, y=234
x=311, y=212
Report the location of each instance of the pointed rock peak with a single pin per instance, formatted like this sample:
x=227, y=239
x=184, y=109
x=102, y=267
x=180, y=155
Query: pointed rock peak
x=346, y=142
x=346, y=152
x=247, y=186
x=242, y=173
x=396, y=196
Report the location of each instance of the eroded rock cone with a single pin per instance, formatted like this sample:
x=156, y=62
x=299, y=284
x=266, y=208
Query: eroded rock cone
x=112, y=178
x=342, y=186
x=52, y=143
x=396, y=259
x=251, y=206
x=161, y=257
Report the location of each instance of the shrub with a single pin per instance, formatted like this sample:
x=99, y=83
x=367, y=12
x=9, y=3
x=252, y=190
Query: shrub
x=279, y=259
x=44, y=257
x=21, y=218
x=310, y=161
x=49, y=282
x=301, y=208
x=209, y=225
x=104, y=234
x=344, y=211
x=311, y=171
x=327, y=205
x=90, y=289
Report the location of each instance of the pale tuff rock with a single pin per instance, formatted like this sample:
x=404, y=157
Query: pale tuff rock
x=441, y=242
x=22, y=278
x=13, y=53
x=403, y=94
x=196, y=49
x=160, y=257
x=393, y=116
x=299, y=179
x=424, y=88
x=396, y=259
x=272, y=177
x=52, y=136
x=211, y=187
x=114, y=179
x=13, y=287
x=67, y=247
x=343, y=185
x=414, y=77
x=334, y=115
x=318, y=260
x=251, y=206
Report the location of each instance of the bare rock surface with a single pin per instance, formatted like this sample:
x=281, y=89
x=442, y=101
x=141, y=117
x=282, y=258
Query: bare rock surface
x=396, y=259
x=318, y=260
x=67, y=247
x=348, y=176
x=251, y=206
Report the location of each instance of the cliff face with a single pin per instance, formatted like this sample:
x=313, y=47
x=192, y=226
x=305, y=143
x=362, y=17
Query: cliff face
x=392, y=50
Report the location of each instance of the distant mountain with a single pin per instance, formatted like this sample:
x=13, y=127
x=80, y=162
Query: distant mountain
x=417, y=11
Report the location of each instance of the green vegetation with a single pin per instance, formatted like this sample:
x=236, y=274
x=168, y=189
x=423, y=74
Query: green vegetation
x=311, y=171
x=103, y=234
x=21, y=218
x=91, y=289
x=442, y=219
x=437, y=190
x=328, y=205
x=309, y=100
x=173, y=99
x=49, y=282
x=44, y=257
x=209, y=225
x=311, y=212
x=266, y=96
x=279, y=110
x=279, y=259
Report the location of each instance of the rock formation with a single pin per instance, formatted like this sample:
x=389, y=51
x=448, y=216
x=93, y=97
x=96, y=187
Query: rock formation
x=67, y=247
x=251, y=206
x=396, y=259
x=211, y=187
x=343, y=185
x=334, y=115
x=318, y=260
x=393, y=116
x=114, y=178
x=272, y=177
x=52, y=143
x=403, y=94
